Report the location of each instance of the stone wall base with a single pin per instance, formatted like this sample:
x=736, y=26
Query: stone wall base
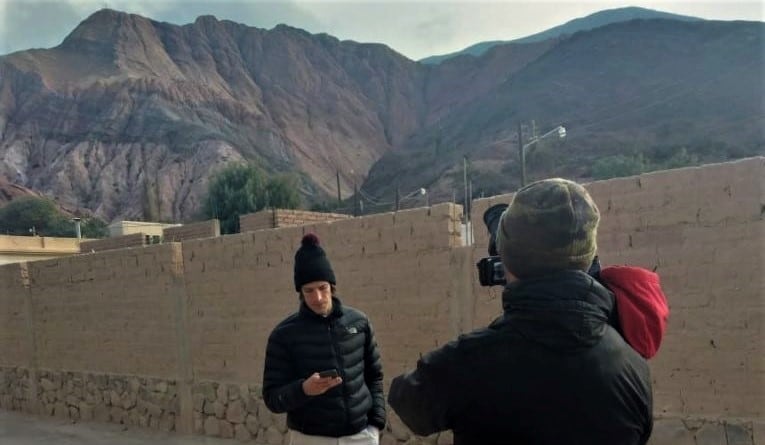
x=237, y=411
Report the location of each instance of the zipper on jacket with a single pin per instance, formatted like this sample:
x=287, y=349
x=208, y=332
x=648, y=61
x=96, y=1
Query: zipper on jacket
x=340, y=370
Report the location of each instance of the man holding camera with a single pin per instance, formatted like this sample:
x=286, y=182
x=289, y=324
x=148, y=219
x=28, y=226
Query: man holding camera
x=322, y=365
x=551, y=370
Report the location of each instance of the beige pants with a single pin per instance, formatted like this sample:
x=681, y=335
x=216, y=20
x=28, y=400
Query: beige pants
x=368, y=436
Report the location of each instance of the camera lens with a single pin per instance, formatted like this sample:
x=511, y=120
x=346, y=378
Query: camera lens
x=491, y=218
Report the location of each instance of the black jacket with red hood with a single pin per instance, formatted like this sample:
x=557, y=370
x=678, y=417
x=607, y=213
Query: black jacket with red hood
x=550, y=371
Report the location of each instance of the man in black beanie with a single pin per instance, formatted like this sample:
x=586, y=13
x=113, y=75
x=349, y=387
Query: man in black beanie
x=550, y=370
x=322, y=364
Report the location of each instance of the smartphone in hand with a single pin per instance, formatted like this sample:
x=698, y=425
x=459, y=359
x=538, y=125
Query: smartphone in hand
x=328, y=373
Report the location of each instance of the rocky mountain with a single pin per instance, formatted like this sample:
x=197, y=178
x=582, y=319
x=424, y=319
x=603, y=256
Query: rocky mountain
x=128, y=110
x=653, y=88
x=127, y=106
x=9, y=192
x=592, y=21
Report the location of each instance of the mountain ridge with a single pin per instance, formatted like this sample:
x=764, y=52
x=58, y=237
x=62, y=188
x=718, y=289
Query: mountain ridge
x=642, y=86
x=241, y=92
x=153, y=109
x=589, y=22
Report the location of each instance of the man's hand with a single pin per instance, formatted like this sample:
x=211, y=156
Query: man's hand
x=316, y=385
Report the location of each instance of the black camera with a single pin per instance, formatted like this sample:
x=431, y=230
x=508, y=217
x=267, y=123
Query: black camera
x=491, y=271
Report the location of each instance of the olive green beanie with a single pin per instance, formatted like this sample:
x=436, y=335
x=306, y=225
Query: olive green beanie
x=550, y=225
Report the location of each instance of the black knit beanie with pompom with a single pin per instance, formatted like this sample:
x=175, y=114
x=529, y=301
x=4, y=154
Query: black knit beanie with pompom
x=311, y=263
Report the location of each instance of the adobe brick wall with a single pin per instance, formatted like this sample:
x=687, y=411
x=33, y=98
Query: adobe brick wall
x=257, y=221
x=14, y=298
x=240, y=286
x=202, y=229
x=110, y=312
x=112, y=243
x=703, y=230
x=290, y=218
x=273, y=218
x=172, y=336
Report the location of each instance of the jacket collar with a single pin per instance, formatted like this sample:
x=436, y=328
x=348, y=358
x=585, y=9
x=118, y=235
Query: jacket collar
x=565, y=309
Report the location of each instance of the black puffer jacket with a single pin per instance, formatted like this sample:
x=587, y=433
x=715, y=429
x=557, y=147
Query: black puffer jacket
x=305, y=343
x=551, y=371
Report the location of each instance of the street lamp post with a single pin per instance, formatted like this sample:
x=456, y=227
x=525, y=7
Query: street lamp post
x=77, y=230
x=560, y=130
x=522, y=154
x=356, y=203
x=419, y=192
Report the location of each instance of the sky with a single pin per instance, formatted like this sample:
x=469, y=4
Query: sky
x=416, y=29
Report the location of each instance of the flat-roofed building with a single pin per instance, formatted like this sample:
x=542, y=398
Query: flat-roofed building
x=15, y=249
x=152, y=230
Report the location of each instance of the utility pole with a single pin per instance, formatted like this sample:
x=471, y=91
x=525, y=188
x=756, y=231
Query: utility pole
x=355, y=199
x=339, y=199
x=522, y=153
x=465, y=207
x=470, y=210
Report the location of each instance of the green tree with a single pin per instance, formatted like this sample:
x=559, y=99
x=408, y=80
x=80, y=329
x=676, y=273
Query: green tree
x=239, y=189
x=94, y=228
x=29, y=214
x=282, y=192
x=619, y=166
x=41, y=216
x=681, y=158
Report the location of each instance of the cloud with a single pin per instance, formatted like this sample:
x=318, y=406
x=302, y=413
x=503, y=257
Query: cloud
x=435, y=27
x=261, y=14
x=421, y=28
x=410, y=28
x=35, y=24
x=416, y=28
x=43, y=23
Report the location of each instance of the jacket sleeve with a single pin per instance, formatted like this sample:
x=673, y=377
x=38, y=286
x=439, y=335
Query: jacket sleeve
x=373, y=376
x=281, y=391
x=424, y=398
x=649, y=419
